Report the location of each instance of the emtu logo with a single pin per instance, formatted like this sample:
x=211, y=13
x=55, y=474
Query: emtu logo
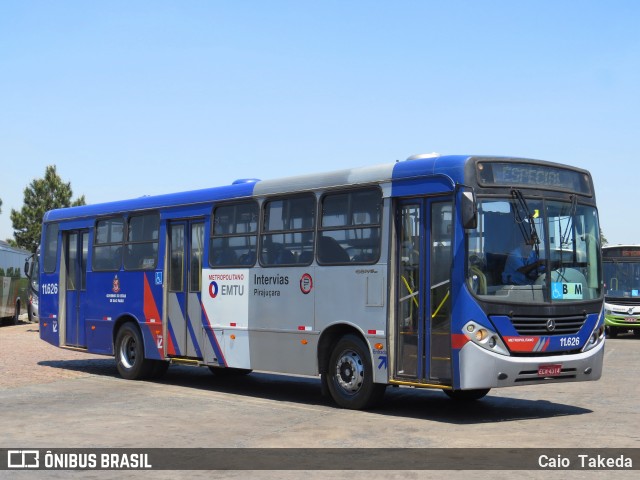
x=225, y=290
x=213, y=289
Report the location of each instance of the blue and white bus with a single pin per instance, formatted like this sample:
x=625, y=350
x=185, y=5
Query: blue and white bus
x=366, y=277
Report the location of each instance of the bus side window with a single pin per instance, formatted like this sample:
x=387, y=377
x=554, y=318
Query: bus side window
x=288, y=231
x=107, y=245
x=350, y=227
x=142, y=242
x=234, y=233
x=51, y=248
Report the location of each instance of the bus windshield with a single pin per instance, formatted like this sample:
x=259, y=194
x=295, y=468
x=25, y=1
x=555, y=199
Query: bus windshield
x=519, y=240
x=622, y=275
x=34, y=274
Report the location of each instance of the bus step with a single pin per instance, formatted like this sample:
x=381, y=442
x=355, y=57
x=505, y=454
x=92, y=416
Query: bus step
x=185, y=361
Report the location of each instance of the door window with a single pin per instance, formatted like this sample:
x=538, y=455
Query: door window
x=409, y=290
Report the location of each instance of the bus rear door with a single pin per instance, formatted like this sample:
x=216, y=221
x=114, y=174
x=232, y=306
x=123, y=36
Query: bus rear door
x=186, y=246
x=76, y=247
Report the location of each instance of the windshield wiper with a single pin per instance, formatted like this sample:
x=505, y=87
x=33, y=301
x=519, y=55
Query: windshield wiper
x=527, y=235
x=564, y=237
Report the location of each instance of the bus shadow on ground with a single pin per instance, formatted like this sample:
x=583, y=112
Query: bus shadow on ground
x=103, y=367
x=435, y=406
x=423, y=404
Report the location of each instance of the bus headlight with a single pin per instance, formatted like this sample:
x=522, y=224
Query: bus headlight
x=484, y=337
x=597, y=335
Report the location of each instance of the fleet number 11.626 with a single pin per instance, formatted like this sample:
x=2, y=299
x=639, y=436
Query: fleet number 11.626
x=570, y=341
x=49, y=288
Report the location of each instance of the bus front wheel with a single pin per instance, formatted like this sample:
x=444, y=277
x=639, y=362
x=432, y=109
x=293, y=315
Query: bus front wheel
x=130, y=354
x=349, y=377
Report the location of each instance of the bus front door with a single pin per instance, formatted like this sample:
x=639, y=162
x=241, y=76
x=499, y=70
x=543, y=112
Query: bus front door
x=423, y=316
x=186, y=247
x=76, y=247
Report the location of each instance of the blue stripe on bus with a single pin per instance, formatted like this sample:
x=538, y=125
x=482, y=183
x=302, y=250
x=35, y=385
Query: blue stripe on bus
x=192, y=333
x=212, y=338
x=174, y=341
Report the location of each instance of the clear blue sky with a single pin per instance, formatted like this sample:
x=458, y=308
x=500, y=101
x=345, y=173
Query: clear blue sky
x=129, y=98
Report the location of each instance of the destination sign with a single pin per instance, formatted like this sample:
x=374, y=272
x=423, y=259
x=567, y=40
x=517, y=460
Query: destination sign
x=532, y=175
x=618, y=252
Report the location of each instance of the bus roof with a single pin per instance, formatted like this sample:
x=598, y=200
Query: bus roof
x=450, y=168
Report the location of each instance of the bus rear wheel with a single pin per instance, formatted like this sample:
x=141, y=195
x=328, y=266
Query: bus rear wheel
x=349, y=377
x=130, y=359
x=466, y=395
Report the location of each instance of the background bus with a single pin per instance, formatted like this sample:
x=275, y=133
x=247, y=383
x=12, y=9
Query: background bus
x=386, y=274
x=32, y=271
x=621, y=267
x=13, y=284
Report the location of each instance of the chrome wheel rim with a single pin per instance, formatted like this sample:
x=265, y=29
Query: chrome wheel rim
x=349, y=372
x=128, y=352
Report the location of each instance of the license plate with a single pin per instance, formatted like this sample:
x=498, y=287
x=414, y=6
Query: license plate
x=630, y=319
x=549, y=370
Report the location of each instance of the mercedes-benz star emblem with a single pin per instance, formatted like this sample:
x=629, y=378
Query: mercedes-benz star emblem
x=551, y=325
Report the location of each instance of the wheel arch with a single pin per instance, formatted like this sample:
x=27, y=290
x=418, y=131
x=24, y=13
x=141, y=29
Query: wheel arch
x=330, y=336
x=125, y=318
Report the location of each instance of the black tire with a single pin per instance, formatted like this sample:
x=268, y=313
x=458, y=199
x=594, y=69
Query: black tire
x=130, y=354
x=466, y=395
x=230, y=372
x=349, y=375
x=612, y=332
x=16, y=315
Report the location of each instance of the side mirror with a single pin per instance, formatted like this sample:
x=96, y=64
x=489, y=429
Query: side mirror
x=469, y=210
x=26, y=268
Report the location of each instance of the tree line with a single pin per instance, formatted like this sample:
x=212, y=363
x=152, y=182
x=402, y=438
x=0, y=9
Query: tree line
x=41, y=195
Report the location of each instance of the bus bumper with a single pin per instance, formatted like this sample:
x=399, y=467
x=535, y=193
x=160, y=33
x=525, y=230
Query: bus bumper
x=623, y=322
x=483, y=369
